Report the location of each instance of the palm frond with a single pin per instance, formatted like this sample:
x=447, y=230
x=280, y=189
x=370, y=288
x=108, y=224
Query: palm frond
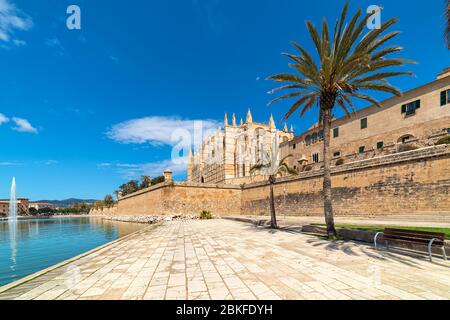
x=346, y=64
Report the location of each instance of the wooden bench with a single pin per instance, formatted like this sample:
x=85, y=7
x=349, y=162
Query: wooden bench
x=403, y=236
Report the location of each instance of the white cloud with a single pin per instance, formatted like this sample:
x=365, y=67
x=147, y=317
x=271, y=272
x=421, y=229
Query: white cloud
x=3, y=118
x=12, y=19
x=19, y=43
x=23, y=125
x=10, y=163
x=153, y=169
x=159, y=131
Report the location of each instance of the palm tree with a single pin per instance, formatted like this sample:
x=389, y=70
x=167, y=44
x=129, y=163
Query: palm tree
x=346, y=64
x=273, y=169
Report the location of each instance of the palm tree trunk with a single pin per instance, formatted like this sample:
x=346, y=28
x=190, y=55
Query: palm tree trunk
x=273, y=217
x=328, y=205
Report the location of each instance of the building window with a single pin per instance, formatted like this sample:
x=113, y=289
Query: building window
x=314, y=137
x=315, y=157
x=321, y=134
x=364, y=123
x=337, y=154
x=336, y=132
x=380, y=145
x=294, y=146
x=308, y=140
x=362, y=149
x=445, y=97
x=410, y=108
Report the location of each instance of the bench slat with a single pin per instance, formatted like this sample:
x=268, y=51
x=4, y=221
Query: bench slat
x=411, y=239
x=413, y=236
x=438, y=235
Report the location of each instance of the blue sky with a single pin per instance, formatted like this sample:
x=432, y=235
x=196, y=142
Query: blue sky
x=83, y=111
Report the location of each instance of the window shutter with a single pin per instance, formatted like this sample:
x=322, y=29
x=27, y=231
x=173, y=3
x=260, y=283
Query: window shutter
x=404, y=108
x=443, y=98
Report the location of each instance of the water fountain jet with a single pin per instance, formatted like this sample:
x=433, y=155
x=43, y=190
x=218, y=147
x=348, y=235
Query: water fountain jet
x=13, y=202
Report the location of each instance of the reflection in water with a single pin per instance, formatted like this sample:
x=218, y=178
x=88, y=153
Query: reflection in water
x=12, y=222
x=34, y=244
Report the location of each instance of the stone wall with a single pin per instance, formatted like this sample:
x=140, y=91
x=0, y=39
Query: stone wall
x=409, y=182
x=104, y=211
x=182, y=198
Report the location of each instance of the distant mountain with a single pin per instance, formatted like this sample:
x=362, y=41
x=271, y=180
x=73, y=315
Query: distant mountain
x=68, y=202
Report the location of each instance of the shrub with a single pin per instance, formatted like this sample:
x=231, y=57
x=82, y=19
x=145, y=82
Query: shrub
x=444, y=140
x=340, y=162
x=407, y=147
x=205, y=215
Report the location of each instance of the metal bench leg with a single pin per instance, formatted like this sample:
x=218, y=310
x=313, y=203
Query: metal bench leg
x=430, y=244
x=443, y=253
x=375, y=239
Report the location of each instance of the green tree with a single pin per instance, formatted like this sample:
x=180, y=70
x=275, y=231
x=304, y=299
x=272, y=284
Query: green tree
x=347, y=65
x=145, y=182
x=129, y=187
x=98, y=204
x=272, y=167
x=108, y=201
x=158, y=180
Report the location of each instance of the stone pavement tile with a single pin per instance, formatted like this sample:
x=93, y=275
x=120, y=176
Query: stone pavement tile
x=155, y=293
x=197, y=286
x=113, y=294
x=200, y=295
x=94, y=291
x=242, y=294
x=176, y=293
x=177, y=279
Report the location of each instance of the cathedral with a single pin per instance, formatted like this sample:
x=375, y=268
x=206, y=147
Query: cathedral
x=228, y=155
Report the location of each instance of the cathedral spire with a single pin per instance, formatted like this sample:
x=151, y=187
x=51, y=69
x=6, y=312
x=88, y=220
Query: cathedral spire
x=242, y=122
x=225, y=120
x=233, y=120
x=249, y=116
x=285, y=129
x=272, y=122
x=292, y=129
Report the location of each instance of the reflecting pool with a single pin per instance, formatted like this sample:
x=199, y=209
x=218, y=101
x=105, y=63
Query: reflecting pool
x=35, y=244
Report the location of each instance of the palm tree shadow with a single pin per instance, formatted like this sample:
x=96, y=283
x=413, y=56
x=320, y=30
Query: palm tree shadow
x=394, y=254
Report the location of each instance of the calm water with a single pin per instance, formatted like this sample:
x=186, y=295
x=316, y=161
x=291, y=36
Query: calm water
x=41, y=243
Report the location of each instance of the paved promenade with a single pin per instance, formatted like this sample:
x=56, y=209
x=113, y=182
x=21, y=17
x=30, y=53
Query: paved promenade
x=222, y=259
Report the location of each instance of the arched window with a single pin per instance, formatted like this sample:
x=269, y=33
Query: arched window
x=314, y=137
x=308, y=140
x=405, y=138
x=321, y=135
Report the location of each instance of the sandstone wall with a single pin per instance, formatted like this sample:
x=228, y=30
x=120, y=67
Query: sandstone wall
x=104, y=211
x=182, y=198
x=409, y=182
